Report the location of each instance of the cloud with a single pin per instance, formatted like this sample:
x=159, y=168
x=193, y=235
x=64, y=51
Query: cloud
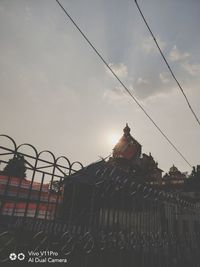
x=164, y=77
x=148, y=45
x=176, y=55
x=142, y=87
x=141, y=80
x=120, y=70
x=184, y=60
x=193, y=69
x=115, y=93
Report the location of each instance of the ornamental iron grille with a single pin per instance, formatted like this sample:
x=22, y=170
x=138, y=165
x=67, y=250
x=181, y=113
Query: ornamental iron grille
x=95, y=216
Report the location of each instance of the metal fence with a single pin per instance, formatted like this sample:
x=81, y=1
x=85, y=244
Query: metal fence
x=113, y=221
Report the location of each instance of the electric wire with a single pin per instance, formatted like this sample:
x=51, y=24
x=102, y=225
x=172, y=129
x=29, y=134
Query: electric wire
x=167, y=63
x=123, y=85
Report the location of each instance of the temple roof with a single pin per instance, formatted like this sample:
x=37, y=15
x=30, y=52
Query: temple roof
x=96, y=173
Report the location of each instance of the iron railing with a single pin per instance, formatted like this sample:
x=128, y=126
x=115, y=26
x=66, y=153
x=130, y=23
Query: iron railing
x=111, y=221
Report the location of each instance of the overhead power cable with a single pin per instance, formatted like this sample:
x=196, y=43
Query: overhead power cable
x=123, y=85
x=167, y=63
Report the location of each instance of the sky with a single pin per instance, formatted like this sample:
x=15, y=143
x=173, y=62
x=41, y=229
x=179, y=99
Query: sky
x=56, y=94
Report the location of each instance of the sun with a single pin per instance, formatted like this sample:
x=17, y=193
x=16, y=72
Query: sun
x=113, y=139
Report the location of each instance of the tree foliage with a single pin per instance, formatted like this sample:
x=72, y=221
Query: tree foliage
x=16, y=167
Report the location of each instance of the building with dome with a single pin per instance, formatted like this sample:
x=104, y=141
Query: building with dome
x=127, y=155
x=127, y=165
x=174, y=179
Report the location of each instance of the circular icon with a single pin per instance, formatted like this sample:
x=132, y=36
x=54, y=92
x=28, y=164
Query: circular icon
x=12, y=256
x=21, y=256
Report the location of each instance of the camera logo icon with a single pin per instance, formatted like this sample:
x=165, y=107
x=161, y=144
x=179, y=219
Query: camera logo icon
x=21, y=256
x=14, y=256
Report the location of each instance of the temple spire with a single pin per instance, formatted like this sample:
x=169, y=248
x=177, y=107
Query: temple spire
x=127, y=130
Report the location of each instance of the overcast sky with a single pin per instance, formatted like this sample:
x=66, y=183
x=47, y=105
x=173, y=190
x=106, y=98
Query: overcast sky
x=56, y=94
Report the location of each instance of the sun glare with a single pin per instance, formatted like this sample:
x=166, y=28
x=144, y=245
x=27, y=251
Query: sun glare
x=113, y=139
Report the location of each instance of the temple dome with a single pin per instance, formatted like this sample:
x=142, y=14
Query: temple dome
x=127, y=147
x=173, y=169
